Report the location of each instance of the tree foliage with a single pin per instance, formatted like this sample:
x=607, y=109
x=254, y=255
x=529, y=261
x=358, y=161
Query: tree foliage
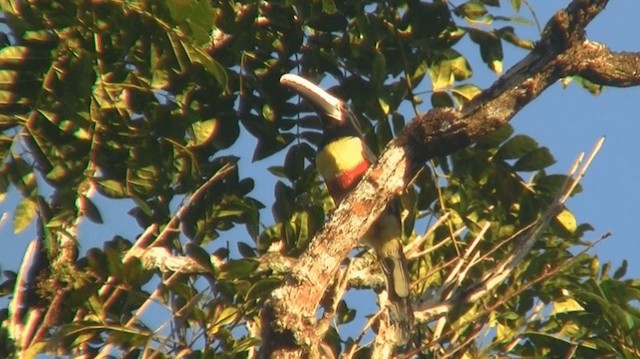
x=152, y=101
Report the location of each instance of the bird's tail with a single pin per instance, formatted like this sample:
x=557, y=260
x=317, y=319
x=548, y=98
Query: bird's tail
x=384, y=237
x=401, y=319
x=394, y=266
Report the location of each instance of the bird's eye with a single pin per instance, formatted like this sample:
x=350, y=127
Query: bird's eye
x=344, y=109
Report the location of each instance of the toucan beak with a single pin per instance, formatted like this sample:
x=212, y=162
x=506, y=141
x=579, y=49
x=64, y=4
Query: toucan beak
x=322, y=102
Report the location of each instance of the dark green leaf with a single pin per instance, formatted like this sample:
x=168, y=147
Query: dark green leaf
x=383, y=134
x=496, y=137
x=441, y=100
x=490, y=48
x=98, y=263
x=379, y=69
x=269, y=146
x=294, y=163
x=516, y=147
x=241, y=268
x=198, y=254
x=134, y=274
x=622, y=271
x=263, y=288
x=196, y=55
x=397, y=121
x=508, y=34
x=277, y=171
x=491, y=2
x=22, y=176
x=302, y=227
x=246, y=250
x=90, y=210
x=537, y=159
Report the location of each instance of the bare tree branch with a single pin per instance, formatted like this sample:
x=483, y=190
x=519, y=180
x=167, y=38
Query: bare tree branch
x=596, y=63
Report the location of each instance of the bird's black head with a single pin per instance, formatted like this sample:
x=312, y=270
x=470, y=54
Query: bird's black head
x=337, y=118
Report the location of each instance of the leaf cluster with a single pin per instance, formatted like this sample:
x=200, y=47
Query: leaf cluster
x=158, y=102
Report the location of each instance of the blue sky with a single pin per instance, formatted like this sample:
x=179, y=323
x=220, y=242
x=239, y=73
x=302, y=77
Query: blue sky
x=568, y=121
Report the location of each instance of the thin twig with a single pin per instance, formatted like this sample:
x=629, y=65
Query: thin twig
x=145, y=243
x=134, y=318
x=431, y=308
x=414, y=245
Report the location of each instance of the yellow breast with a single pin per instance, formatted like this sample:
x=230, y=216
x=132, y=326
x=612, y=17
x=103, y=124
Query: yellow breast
x=340, y=156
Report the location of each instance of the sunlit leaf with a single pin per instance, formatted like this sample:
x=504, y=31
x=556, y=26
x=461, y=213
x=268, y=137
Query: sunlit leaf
x=226, y=316
x=505, y=332
x=12, y=101
x=471, y=10
x=180, y=10
x=13, y=56
x=384, y=104
x=566, y=305
x=441, y=76
x=8, y=79
x=35, y=349
x=464, y=93
x=328, y=6
x=516, y=5
x=593, y=88
x=496, y=66
x=112, y=188
x=203, y=131
x=25, y=213
x=443, y=73
x=567, y=221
